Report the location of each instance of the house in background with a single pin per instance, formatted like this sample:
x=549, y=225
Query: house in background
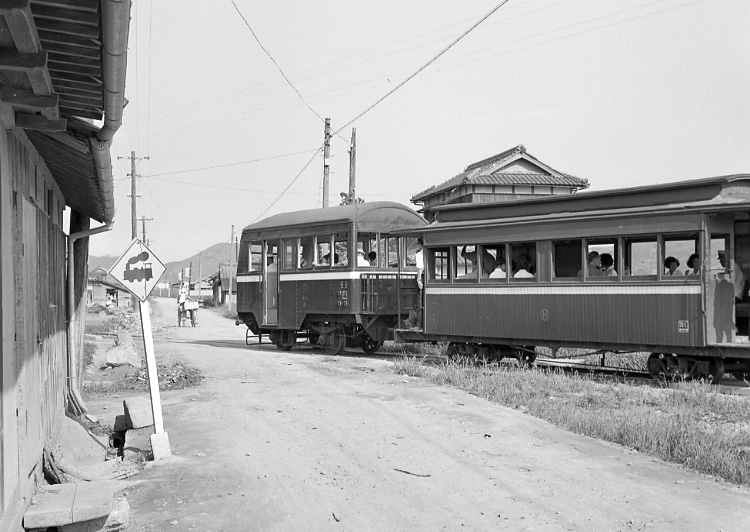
x=510, y=175
x=62, y=77
x=103, y=289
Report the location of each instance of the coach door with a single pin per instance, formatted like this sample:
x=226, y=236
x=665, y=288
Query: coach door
x=271, y=284
x=719, y=267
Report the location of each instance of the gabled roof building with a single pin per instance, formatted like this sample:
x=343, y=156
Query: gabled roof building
x=510, y=175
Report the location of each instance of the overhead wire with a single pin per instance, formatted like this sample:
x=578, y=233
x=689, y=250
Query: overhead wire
x=428, y=63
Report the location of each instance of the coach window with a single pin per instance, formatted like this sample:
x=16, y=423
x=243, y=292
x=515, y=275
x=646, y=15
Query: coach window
x=324, y=246
x=290, y=254
x=388, y=252
x=464, y=265
x=679, y=248
x=498, y=264
x=340, y=246
x=567, y=259
x=369, y=244
x=306, y=252
x=719, y=247
x=438, y=264
x=410, y=245
x=523, y=261
x=640, y=256
x=603, y=268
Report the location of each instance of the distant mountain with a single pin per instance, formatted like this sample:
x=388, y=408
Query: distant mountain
x=204, y=263
x=106, y=262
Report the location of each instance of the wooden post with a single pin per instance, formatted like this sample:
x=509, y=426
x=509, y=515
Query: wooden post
x=159, y=440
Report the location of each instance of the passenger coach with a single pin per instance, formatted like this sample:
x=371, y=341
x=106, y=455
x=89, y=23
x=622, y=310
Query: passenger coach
x=553, y=291
x=335, y=276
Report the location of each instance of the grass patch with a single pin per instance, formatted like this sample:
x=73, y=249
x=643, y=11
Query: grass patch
x=689, y=423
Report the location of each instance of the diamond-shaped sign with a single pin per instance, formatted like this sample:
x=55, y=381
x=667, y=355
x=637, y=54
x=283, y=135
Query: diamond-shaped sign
x=138, y=270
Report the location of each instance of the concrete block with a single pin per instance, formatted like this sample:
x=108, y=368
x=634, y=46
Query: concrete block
x=160, y=445
x=121, y=423
x=117, y=520
x=93, y=500
x=138, y=412
x=138, y=441
x=51, y=506
x=93, y=525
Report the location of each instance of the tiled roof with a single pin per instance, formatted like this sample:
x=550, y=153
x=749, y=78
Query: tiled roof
x=489, y=172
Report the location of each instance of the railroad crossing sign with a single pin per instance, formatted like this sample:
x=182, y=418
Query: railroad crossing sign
x=138, y=270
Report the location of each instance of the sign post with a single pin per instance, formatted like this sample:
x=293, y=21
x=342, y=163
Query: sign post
x=139, y=270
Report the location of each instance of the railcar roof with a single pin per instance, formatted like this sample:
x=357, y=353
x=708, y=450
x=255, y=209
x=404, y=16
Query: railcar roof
x=705, y=194
x=378, y=216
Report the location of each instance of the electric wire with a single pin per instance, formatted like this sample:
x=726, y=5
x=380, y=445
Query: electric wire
x=273, y=60
x=428, y=63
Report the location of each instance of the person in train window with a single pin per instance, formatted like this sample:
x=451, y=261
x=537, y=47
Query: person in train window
x=501, y=271
x=272, y=266
x=739, y=277
x=608, y=265
x=372, y=258
x=593, y=265
x=694, y=265
x=671, y=264
x=524, y=268
x=361, y=259
x=488, y=263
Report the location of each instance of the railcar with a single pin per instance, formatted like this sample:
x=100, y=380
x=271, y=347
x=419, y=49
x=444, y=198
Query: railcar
x=336, y=276
x=553, y=292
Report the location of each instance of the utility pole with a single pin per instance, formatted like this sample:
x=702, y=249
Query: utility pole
x=199, y=276
x=133, y=194
x=326, y=156
x=231, y=267
x=352, y=165
x=143, y=220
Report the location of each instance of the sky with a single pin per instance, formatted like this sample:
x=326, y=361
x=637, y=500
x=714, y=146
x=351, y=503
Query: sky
x=225, y=114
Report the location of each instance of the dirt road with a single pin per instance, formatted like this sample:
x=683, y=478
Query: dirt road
x=292, y=441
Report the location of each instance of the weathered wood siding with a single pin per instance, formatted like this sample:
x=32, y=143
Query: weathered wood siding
x=34, y=361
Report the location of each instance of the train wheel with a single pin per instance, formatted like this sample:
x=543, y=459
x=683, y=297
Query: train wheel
x=716, y=370
x=370, y=346
x=452, y=350
x=286, y=340
x=658, y=366
x=334, y=343
x=313, y=338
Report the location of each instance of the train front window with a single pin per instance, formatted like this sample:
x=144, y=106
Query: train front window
x=640, y=257
x=272, y=256
x=410, y=243
x=255, y=256
x=368, y=243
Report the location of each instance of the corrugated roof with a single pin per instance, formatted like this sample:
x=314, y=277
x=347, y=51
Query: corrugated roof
x=489, y=172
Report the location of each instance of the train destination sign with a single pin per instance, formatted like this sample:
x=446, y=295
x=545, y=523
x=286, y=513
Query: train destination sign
x=138, y=270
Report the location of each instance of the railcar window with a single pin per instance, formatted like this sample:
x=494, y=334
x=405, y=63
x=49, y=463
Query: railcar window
x=306, y=252
x=500, y=269
x=640, y=256
x=677, y=252
x=341, y=249
x=272, y=256
x=601, y=259
x=290, y=254
x=438, y=264
x=464, y=267
x=255, y=256
x=390, y=252
x=567, y=258
x=369, y=245
x=324, y=251
x=523, y=261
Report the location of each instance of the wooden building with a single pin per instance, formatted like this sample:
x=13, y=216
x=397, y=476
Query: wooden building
x=511, y=175
x=62, y=85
